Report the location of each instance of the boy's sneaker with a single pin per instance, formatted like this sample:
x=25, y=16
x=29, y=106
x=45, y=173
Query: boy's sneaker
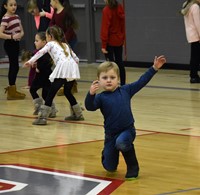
x=132, y=174
x=130, y=177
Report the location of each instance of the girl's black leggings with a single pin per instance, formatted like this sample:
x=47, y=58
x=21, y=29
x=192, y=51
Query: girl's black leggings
x=55, y=86
x=12, y=50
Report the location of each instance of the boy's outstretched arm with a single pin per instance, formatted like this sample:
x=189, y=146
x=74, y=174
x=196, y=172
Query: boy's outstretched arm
x=159, y=62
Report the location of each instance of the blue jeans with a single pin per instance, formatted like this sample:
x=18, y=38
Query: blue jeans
x=122, y=142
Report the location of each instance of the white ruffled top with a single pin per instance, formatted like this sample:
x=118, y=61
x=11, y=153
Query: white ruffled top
x=66, y=67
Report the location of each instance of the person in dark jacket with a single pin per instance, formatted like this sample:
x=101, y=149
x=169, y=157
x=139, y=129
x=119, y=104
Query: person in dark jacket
x=113, y=35
x=41, y=79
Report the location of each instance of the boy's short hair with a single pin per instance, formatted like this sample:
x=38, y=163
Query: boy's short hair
x=106, y=66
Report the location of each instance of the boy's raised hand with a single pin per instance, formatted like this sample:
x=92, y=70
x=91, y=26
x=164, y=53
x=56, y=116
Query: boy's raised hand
x=159, y=61
x=94, y=87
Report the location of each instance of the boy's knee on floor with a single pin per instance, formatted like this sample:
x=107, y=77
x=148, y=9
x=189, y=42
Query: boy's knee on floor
x=110, y=169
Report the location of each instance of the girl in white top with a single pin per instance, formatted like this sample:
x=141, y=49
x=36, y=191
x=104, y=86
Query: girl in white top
x=65, y=73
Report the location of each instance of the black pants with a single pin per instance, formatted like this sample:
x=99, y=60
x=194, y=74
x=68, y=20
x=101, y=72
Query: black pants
x=40, y=82
x=194, y=59
x=55, y=86
x=115, y=54
x=12, y=50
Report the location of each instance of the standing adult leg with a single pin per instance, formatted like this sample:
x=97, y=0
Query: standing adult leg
x=110, y=55
x=115, y=54
x=118, y=53
x=194, y=62
x=12, y=49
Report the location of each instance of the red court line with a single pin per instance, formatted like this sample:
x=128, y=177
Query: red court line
x=50, y=119
x=58, y=146
x=53, y=146
x=150, y=132
x=92, y=124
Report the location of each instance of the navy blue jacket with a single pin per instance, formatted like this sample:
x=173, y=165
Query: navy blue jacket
x=116, y=106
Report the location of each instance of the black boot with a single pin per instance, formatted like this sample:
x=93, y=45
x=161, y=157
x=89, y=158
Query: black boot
x=132, y=164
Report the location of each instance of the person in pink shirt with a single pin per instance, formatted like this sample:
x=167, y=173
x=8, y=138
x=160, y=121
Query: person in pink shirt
x=191, y=13
x=42, y=12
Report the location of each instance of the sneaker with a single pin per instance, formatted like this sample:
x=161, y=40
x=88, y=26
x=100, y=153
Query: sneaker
x=131, y=178
x=132, y=173
x=195, y=80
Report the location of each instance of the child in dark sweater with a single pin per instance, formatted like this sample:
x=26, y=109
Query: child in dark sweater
x=41, y=79
x=115, y=105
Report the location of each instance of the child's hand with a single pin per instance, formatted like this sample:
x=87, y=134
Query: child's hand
x=26, y=64
x=42, y=13
x=94, y=87
x=159, y=62
x=34, y=65
x=104, y=51
x=17, y=36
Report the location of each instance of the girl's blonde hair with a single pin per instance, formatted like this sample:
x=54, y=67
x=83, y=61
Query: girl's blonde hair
x=106, y=66
x=31, y=5
x=58, y=35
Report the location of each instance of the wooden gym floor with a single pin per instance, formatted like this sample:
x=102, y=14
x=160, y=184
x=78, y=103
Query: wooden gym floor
x=167, y=113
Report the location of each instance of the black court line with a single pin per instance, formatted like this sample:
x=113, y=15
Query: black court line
x=181, y=191
x=174, y=88
x=147, y=86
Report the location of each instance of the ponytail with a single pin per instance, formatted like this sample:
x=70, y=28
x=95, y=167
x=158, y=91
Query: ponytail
x=3, y=9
